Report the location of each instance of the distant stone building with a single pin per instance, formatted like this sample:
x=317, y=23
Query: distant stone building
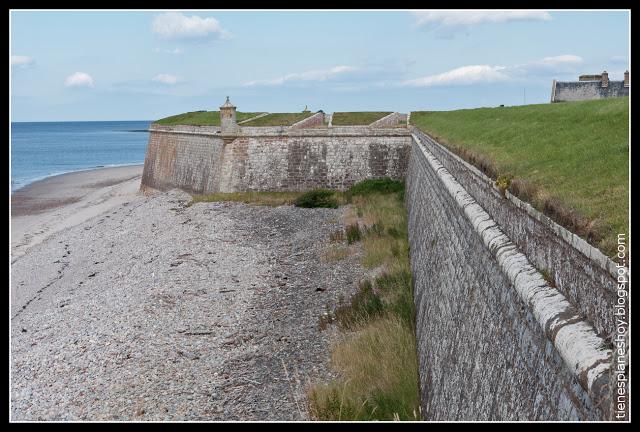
x=589, y=87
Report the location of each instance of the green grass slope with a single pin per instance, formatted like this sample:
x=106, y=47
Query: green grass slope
x=279, y=119
x=569, y=160
x=357, y=118
x=200, y=118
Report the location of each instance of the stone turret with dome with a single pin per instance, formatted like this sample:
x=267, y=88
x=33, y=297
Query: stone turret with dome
x=228, y=121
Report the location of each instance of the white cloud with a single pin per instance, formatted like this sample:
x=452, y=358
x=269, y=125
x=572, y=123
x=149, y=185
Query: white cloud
x=618, y=59
x=545, y=68
x=170, y=51
x=560, y=60
x=464, y=75
x=166, y=79
x=311, y=75
x=174, y=25
x=22, y=61
x=79, y=79
x=467, y=18
x=446, y=23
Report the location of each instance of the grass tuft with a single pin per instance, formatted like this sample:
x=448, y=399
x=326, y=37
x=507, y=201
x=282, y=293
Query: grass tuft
x=364, y=306
x=337, y=236
x=383, y=185
x=353, y=233
x=336, y=253
x=318, y=198
x=381, y=363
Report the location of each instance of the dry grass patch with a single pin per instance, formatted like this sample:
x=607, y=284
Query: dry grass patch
x=380, y=363
x=337, y=236
x=272, y=199
x=336, y=253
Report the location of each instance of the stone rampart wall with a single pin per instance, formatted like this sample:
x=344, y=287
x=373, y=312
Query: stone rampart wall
x=495, y=340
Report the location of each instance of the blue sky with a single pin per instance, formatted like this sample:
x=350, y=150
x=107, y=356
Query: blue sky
x=68, y=65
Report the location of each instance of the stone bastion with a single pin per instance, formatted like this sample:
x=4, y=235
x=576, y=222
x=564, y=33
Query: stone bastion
x=497, y=338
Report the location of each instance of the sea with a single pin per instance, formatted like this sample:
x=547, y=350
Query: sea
x=44, y=149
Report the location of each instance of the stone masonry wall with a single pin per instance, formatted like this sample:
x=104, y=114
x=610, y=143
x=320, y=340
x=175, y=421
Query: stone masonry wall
x=495, y=340
x=312, y=121
x=390, y=120
x=566, y=91
x=273, y=159
x=182, y=160
x=484, y=353
x=303, y=163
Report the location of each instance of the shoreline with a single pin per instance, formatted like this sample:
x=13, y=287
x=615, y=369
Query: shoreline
x=54, y=203
x=61, y=173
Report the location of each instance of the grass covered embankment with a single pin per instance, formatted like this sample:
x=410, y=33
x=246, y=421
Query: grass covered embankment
x=361, y=118
x=278, y=119
x=201, y=118
x=569, y=160
x=375, y=357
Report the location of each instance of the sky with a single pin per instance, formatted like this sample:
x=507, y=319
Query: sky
x=145, y=65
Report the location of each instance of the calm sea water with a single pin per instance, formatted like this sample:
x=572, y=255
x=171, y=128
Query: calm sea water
x=40, y=150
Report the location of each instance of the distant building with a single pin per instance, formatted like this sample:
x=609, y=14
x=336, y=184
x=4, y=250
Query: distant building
x=589, y=87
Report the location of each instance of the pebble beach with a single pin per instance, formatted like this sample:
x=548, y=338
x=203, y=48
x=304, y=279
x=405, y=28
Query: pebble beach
x=130, y=306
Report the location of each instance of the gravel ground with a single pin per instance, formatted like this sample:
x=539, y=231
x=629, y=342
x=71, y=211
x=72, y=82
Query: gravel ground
x=156, y=311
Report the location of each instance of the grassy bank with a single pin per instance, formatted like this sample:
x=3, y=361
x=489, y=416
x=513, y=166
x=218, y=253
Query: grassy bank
x=356, y=118
x=375, y=357
x=279, y=119
x=201, y=118
x=569, y=160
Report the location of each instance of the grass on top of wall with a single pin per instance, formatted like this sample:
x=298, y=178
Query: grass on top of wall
x=201, y=118
x=357, y=118
x=278, y=119
x=569, y=160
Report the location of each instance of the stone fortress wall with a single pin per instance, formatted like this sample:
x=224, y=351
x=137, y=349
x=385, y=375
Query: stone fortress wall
x=303, y=156
x=589, y=87
x=496, y=339
x=198, y=159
